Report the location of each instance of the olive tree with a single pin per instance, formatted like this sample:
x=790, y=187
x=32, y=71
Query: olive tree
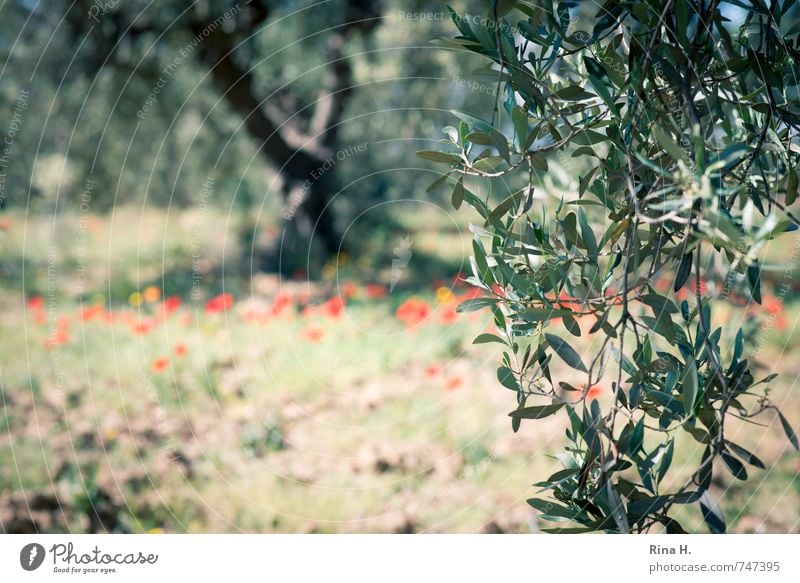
x=680, y=121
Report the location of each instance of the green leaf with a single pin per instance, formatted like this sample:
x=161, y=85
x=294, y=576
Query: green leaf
x=572, y=93
x=504, y=7
x=552, y=508
x=500, y=142
x=665, y=141
x=566, y=352
x=458, y=193
x=437, y=183
x=506, y=205
x=617, y=509
x=666, y=460
x=543, y=314
x=487, y=338
x=647, y=506
x=706, y=470
x=570, y=227
x=519, y=118
x=747, y=456
x=589, y=138
x=754, y=282
x=689, y=387
x=475, y=304
x=659, y=304
x=480, y=138
x=571, y=530
x=712, y=514
x=435, y=156
x=735, y=466
x=684, y=270
x=637, y=437
x=571, y=324
x=651, y=505
x=474, y=122
x=787, y=428
x=589, y=240
x=507, y=378
x=537, y=412
x=791, y=189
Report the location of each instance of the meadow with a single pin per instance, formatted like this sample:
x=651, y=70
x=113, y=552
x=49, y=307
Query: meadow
x=150, y=384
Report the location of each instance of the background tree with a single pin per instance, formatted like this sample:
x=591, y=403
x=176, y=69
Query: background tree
x=264, y=93
x=297, y=139
x=681, y=120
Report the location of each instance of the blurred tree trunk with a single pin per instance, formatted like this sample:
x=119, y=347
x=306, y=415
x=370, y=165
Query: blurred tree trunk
x=292, y=152
x=308, y=219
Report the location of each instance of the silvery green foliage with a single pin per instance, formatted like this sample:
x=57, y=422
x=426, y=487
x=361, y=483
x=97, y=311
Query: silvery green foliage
x=679, y=121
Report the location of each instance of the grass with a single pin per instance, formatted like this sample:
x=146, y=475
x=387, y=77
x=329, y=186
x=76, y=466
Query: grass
x=290, y=423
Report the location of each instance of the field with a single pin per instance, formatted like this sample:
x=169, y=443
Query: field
x=149, y=385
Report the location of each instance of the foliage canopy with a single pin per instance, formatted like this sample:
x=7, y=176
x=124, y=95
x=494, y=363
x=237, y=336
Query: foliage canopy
x=682, y=120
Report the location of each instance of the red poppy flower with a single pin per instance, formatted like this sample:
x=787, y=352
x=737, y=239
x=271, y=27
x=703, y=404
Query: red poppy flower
x=142, y=327
x=453, y=383
x=313, y=334
x=662, y=284
x=413, y=311
x=594, y=392
x=703, y=286
x=160, y=364
x=448, y=315
x=221, y=303
x=772, y=305
x=36, y=302
x=333, y=307
x=375, y=291
x=90, y=313
x=56, y=338
x=282, y=303
x=256, y=315
x=432, y=370
x=171, y=304
x=180, y=349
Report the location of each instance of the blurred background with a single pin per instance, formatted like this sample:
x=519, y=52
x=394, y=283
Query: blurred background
x=228, y=295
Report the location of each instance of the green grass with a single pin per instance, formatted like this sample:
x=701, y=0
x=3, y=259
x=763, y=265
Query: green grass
x=258, y=429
